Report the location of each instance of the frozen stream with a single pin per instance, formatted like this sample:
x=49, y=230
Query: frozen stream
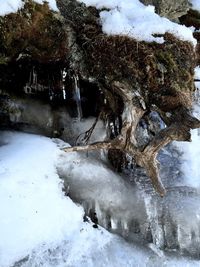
x=39, y=226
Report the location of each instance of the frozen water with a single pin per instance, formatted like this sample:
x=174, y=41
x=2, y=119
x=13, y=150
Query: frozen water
x=40, y=226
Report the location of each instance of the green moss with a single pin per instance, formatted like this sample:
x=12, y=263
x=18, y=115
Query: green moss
x=34, y=31
x=3, y=60
x=167, y=58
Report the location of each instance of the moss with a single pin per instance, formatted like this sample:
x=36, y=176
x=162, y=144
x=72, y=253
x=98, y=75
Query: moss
x=159, y=70
x=33, y=31
x=3, y=60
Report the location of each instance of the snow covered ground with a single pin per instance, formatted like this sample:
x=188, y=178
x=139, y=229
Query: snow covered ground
x=45, y=228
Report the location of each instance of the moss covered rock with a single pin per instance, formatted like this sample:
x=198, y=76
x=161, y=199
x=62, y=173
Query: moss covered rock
x=169, y=8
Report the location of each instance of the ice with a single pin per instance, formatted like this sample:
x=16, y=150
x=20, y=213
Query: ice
x=77, y=97
x=132, y=18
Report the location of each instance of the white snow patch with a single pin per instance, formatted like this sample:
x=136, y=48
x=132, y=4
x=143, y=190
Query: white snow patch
x=191, y=150
x=195, y=4
x=197, y=76
x=9, y=6
x=132, y=18
x=197, y=72
x=52, y=4
x=190, y=160
x=34, y=209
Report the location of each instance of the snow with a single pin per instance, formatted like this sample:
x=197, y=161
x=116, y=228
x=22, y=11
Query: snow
x=197, y=76
x=132, y=18
x=125, y=17
x=195, y=4
x=8, y=6
x=31, y=192
x=52, y=4
x=191, y=150
x=40, y=226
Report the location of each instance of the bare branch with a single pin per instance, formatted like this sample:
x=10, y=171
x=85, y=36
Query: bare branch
x=94, y=146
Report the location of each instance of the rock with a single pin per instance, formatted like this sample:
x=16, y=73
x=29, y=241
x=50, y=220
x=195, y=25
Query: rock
x=169, y=8
x=192, y=19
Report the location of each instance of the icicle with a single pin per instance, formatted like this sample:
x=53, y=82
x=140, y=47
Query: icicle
x=77, y=97
x=34, y=77
x=64, y=93
x=63, y=74
x=114, y=223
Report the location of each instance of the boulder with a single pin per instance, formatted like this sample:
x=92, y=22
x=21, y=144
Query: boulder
x=171, y=9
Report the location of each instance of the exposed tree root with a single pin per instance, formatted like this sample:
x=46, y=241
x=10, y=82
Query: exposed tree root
x=178, y=129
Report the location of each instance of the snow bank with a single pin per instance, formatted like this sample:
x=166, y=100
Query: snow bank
x=8, y=6
x=35, y=210
x=45, y=228
x=195, y=4
x=132, y=18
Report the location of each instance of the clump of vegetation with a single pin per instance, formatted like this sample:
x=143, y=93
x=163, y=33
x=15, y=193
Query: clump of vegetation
x=35, y=32
x=163, y=72
x=137, y=78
